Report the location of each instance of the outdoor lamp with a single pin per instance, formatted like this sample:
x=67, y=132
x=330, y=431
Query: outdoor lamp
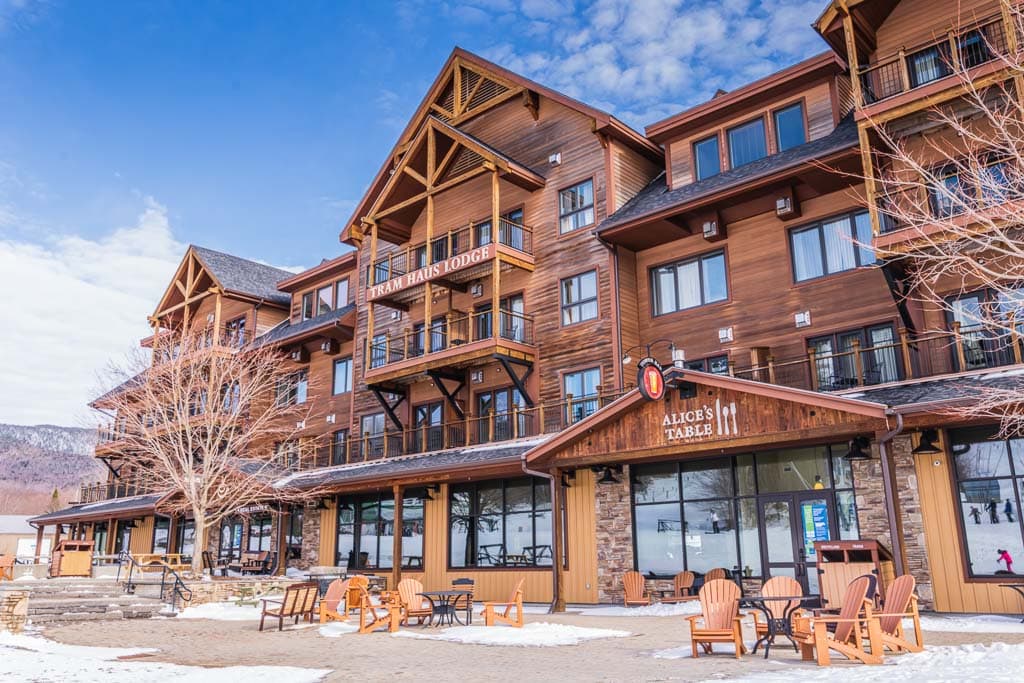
x=608, y=474
x=857, y=446
x=927, y=444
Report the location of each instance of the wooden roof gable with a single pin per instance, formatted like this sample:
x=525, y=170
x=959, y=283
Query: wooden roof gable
x=721, y=414
x=192, y=282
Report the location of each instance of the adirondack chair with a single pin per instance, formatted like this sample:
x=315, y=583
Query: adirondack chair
x=682, y=588
x=333, y=606
x=635, y=589
x=413, y=604
x=720, y=617
x=299, y=601
x=513, y=605
x=352, y=594
x=777, y=586
x=370, y=617
x=716, y=573
x=854, y=625
x=7, y=567
x=900, y=603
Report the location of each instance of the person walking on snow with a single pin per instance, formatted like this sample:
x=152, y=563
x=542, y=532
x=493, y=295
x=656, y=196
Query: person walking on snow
x=1008, y=511
x=992, y=509
x=1005, y=557
x=975, y=514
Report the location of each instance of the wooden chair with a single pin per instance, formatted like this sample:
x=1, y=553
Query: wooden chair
x=355, y=583
x=465, y=603
x=7, y=567
x=299, y=601
x=513, y=605
x=777, y=586
x=900, y=603
x=855, y=619
x=715, y=574
x=254, y=563
x=214, y=566
x=370, y=618
x=635, y=589
x=720, y=616
x=331, y=604
x=682, y=588
x=413, y=604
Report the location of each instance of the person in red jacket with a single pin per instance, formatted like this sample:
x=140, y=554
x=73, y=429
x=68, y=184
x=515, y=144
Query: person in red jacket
x=1005, y=557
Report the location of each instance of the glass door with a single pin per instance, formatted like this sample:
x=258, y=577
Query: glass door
x=815, y=519
x=791, y=525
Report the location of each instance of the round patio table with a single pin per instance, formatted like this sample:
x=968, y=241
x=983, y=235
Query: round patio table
x=442, y=607
x=776, y=625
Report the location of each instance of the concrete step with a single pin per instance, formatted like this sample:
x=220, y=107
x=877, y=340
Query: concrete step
x=75, y=616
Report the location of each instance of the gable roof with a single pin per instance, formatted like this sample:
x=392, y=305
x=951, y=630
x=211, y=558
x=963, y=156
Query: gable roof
x=242, y=276
x=658, y=201
x=113, y=507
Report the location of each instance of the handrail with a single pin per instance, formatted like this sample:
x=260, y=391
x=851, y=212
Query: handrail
x=178, y=588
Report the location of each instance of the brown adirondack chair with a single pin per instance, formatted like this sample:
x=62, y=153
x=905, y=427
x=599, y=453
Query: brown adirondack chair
x=7, y=567
x=352, y=594
x=635, y=589
x=716, y=573
x=854, y=625
x=512, y=612
x=720, y=617
x=414, y=605
x=333, y=606
x=682, y=588
x=777, y=586
x=370, y=617
x=299, y=601
x=900, y=603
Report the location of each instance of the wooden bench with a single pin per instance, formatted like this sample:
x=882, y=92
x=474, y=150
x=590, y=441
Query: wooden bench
x=299, y=600
x=250, y=563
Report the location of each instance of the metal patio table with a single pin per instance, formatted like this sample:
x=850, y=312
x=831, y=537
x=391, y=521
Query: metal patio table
x=776, y=625
x=442, y=607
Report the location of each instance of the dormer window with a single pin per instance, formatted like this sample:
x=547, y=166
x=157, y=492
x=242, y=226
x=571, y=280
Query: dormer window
x=789, y=127
x=323, y=300
x=706, y=159
x=308, y=306
x=747, y=143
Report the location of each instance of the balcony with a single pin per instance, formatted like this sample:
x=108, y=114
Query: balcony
x=230, y=338
x=102, y=490
x=457, y=340
x=452, y=258
x=979, y=44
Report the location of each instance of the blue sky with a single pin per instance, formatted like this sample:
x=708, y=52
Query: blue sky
x=128, y=130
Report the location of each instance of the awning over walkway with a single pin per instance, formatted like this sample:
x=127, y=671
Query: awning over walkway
x=132, y=506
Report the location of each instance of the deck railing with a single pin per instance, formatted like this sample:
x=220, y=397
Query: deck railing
x=968, y=47
x=103, y=490
x=450, y=332
x=447, y=244
x=224, y=337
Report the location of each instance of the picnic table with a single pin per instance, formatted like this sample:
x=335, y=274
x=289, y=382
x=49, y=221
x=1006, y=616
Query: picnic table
x=442, y=607
x=777, y=625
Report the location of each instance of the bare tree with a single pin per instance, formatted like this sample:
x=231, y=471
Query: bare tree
x=208, y=423
x=951, y=179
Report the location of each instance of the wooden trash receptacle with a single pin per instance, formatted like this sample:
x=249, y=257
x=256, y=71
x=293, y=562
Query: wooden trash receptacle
x=72, y=558
x=840, y=562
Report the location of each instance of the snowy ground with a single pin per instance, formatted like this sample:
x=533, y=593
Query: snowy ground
x=33, y=658
x=222, y=611
x=536, y=634
x=660, y=609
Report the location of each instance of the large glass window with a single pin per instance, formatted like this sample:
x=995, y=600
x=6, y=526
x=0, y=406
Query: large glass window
x=747, y=143
x=161, y=531
x=836, y=363
x=366, y=532
x=502, y=523
x=706, y=159
x=716, y=365
x=689, y=283
x=293, y=534
x=185, y=537
x=259, y=534
x=579, y=297
x=989, y=480
x=789, y=127
x=343, y=375
x=832, y=246
x=308, y=306
x=341, y=293
x=292, y=388
x=324, y=300
x=582, y=386
x=230, y=544
x=576, y=207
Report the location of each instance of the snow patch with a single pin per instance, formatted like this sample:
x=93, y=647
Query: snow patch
x=26, y=577
x=661, y=609
x=336, y=629
x=222, y=611
x=686, y=651
x=537, y=634
x=975, y=623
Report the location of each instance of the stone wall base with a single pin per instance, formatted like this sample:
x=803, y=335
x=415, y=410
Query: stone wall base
x=219, y=590
x=13, y=610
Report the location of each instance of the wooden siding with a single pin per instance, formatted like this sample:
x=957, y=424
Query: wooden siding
x=629, y=309
x=915, y=22
x=580, y=580
x=141, y=541
x=953, y=592
x=818, y=111
x=631, y=172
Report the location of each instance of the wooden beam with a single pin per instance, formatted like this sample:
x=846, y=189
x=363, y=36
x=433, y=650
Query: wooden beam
x=369, y=306
x=408, y=170
x=852, y=58
x=396, y=549
x=869, y=178
x=496, y=267
x=457, y=87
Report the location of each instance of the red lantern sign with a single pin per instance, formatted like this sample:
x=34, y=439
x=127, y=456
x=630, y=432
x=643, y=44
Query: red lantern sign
x=651, y=382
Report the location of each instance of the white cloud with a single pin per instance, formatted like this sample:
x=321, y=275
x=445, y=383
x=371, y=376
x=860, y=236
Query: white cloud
x=72, y=304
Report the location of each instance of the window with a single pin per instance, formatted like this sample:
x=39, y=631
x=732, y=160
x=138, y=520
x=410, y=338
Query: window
x=343, y=375
x=185, y=537
x=927, y=65
x=161, y=534
x=341, y=293
x=234, y=332
x=789, y=127
x=686, y=284
x=836, y=365
x=308, y=306
x=510, y=230
x=230, y=397
x=286, y=453
x=829, y=247
x=947, y=196
x=950, y=195
x=747, y=143
x=502, y=523
x=583, y=387
x=989, y=483
x=366, y=529
x=324, y=304
x=378, y=350
x=706, y=158
x=428, y=434
x=292, y=388
x=716, y=365
x=230, y=545
x=293, y=534
x=503, y=403
x=339, y=447
x=372, y=424
x=576, y=207
x=983, y=319
x=579, y=298
x=259, y=534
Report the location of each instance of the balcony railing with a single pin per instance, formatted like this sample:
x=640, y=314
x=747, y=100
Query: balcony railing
x=449, y=244
x=966, y=48
x=102, y=490
x=226, y=337
x=450, y=333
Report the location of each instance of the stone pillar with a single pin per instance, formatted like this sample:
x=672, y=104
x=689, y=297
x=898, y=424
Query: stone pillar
x=311, y=541
x=870, y=497
x=13, y=610
x=614, y=537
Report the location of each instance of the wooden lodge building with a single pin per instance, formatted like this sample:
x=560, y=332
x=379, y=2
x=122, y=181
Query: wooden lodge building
x=516, y=254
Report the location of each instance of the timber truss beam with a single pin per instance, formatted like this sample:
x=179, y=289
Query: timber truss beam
x=390, y=406
x=518, y=380
x=439, y=376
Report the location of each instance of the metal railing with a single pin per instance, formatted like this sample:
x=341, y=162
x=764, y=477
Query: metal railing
x=965, y=48
x=100, y=491
x=448, y=244
x=450, y=332
x=225, y=337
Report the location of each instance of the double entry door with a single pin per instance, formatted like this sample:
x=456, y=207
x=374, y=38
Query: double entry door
x=790, y=524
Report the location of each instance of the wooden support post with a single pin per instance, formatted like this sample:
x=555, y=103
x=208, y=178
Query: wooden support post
x=568, y=409
x=496, y=279
x=428, y=337
x=814, y=368
x=465, y=433
x=870, y=189
x=908, y=368
x=732, y=368
x=557, y=515
x=904, y=72
x=851, y=56
x=282, y=541
x=954, y=50
x=960, y=356
x=39, y=542
x=542, y=429
x=771, y=369
x=370, y=306
x=515, y=421
x=218, y=322
x=396, y=549
x=858, y=362
x=490, y=425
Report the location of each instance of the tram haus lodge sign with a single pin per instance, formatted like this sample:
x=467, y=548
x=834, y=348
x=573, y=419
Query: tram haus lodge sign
x=432, y=271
